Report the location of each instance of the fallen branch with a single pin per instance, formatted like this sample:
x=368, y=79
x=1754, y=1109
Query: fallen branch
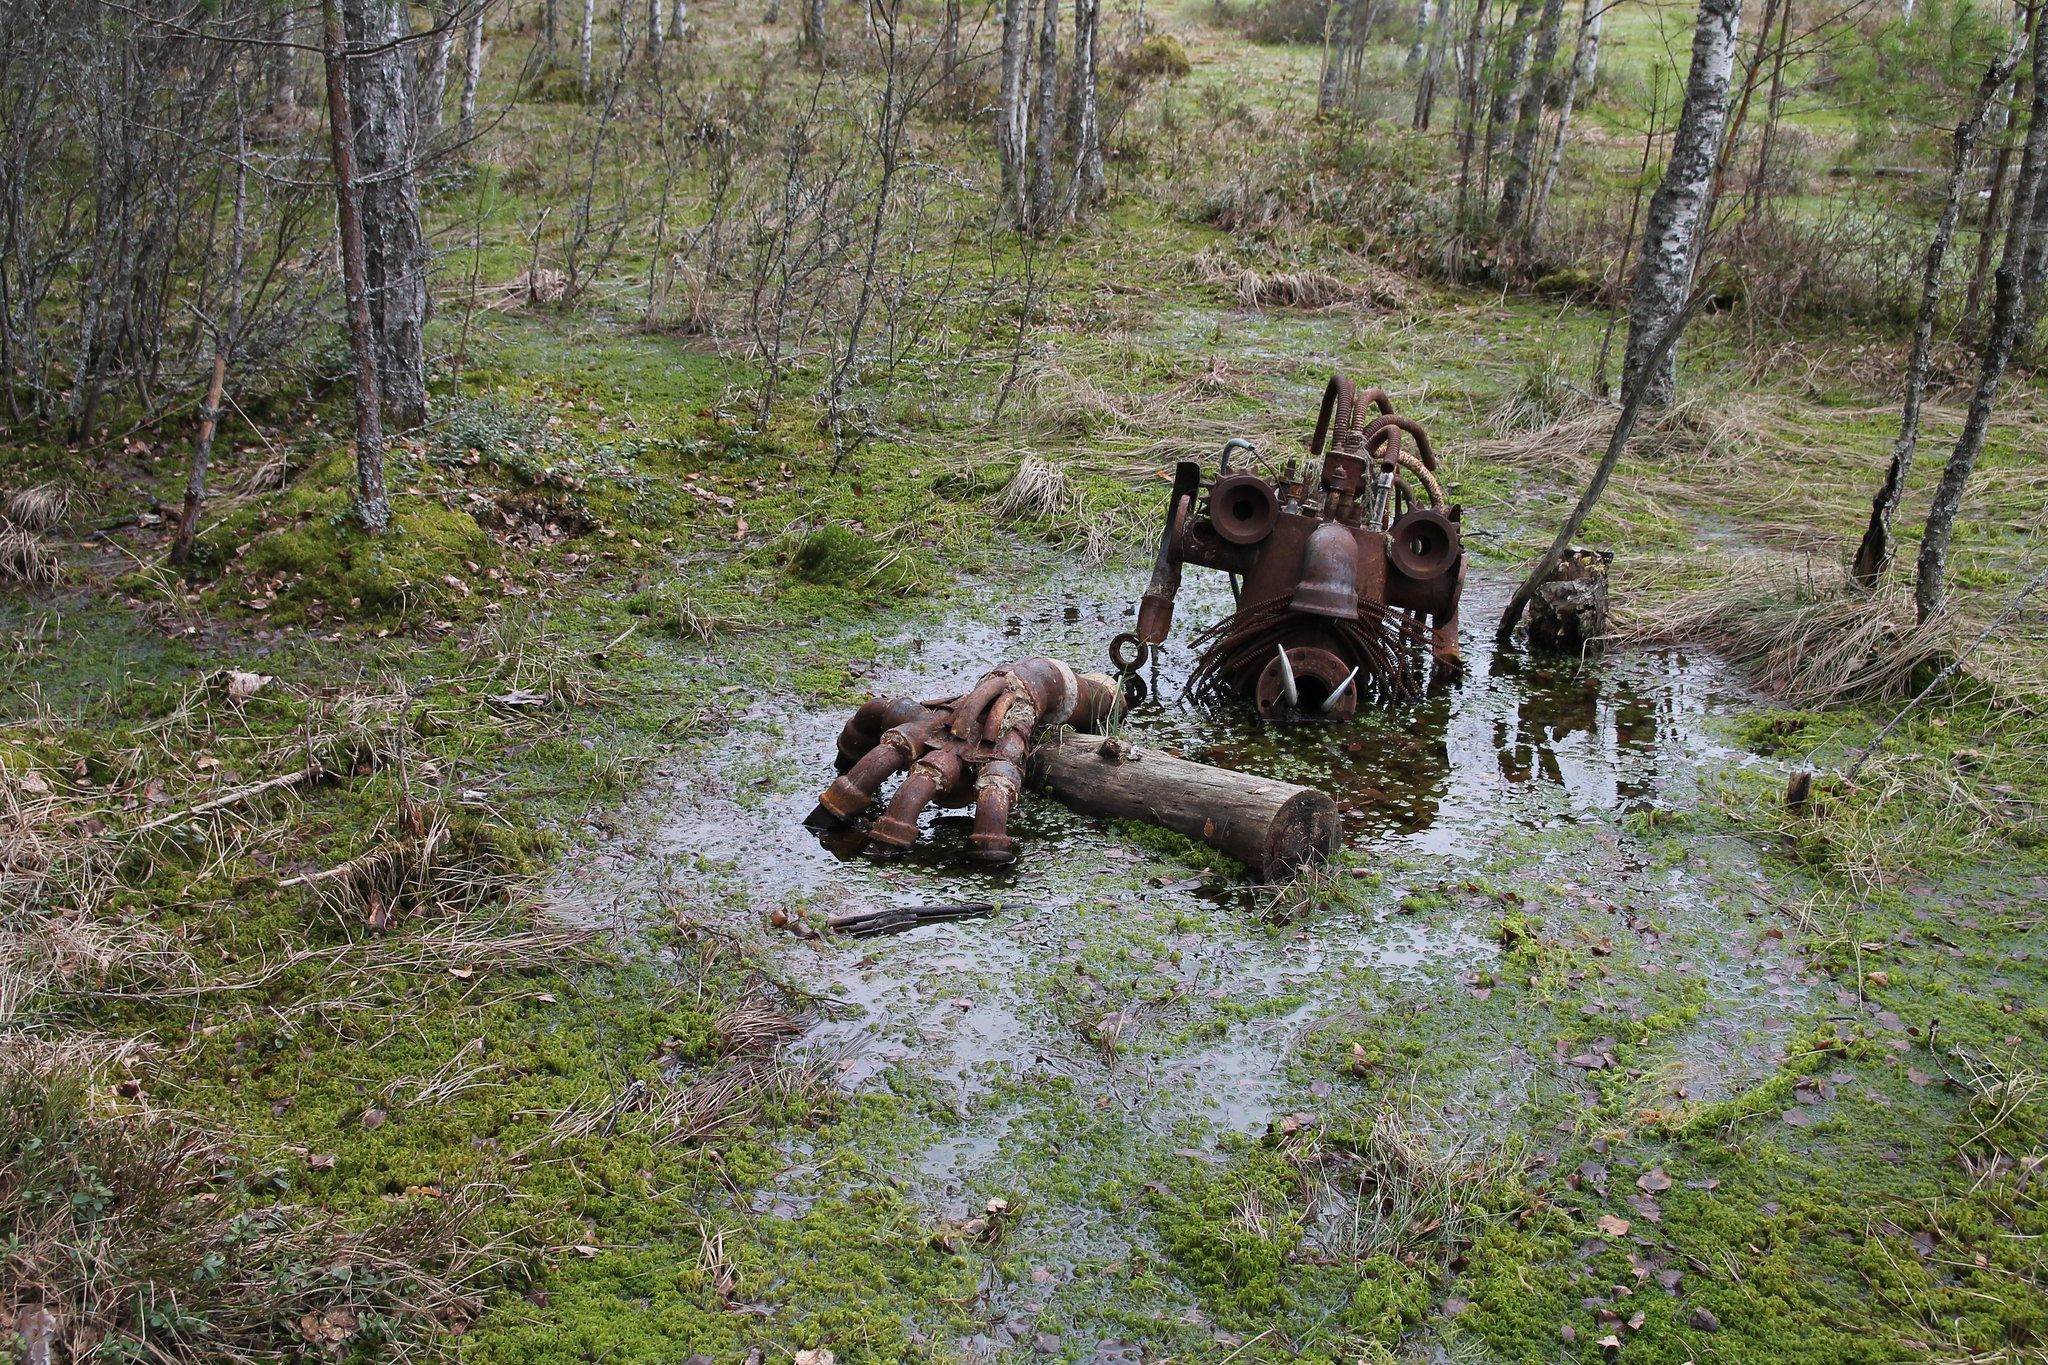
x=229, y=798
x=894, y=919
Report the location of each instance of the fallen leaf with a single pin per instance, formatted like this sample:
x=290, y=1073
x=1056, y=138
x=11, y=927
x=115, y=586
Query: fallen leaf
x=243, y=685
x=320, y=1161
x=1653, y=1181
x=585, y=1250
x=32, y=782
x=462, y=973
x=1612, y=1224
x=821, y=1356
x=1796, y=1118
x=373, y=1119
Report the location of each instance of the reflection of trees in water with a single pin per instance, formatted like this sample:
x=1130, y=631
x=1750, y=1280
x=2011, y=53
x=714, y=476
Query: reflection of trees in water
x=1617, y=716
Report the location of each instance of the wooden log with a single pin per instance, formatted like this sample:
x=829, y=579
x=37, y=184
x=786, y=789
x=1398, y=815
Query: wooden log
x=1274, y=828
x=1568, y=614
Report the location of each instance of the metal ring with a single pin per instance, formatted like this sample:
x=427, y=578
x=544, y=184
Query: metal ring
x=1134, y=688
x=1138, y=653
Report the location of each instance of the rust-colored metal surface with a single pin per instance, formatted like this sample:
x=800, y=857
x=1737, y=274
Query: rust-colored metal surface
x=1347, y=582
x=960, y=751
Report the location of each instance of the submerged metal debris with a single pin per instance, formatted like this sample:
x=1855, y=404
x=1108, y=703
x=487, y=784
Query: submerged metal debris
x=1341, y=585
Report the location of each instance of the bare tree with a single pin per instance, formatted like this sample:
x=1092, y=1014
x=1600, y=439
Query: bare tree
x=1581, y=78
x=386, y=148
x=1084, y=125
x=1874, y=552
x=678, y=19
x=1514, y=190
x=1040, y=217
x=2010, y=286
x=1508, y=82
x=372, y=502
x=225, y=334
x=472, y=74
x=1677, y=214
x=431, y=86
x=586, y=41
x=1011, y=126
x=812, y=38
x=1417, y=49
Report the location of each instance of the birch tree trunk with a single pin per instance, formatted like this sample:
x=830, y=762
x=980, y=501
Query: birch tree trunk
x=372, y=502
x=813, y=39
x=1048, y=117
x=283, y=64
x=432, y=82
x=395, y=249
x=1010, y=114
x=1930, y=587
x=1514, y=191
x=550, y=23
x=1510, y=82
x=1874, y=553
x=1091, y=182
x=1581, y=77
x=679, y=19
x=586, y=40
x=1432, y=69
x=949, y=45
x=472, y=75
x=1418, y=50
x=657, y=30
x=1677, y=212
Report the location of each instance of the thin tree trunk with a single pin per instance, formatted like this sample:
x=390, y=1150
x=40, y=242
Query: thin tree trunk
x=656, y=31
x=1773, y=107
x=1677, y=213
x=813, y=38
x=1425, y=10
x=1010, y=112
x=949, y=45
x=678, y=19
x=1468, y=133
x=1042, y=187
x=283, y=64
x=1091, y=181
x=586, y=41
x=1502, y=111
x=472, y=75
x=372, y=503
x=432, y=81
x=1633, y=395
x=1514, y=191
x=1581, y=77
x=550, y=23
x=1930, y=588
x=1874, y=553
x=396, y=249
x=224, y=338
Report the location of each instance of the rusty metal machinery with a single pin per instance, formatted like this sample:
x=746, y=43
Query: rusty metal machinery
x=968, y=750
x=1344, y=585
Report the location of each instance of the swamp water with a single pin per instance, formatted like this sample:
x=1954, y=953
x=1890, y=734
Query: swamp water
x=1125, y=1012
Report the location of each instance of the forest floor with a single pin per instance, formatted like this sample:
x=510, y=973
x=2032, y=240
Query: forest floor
x=1586, y=1049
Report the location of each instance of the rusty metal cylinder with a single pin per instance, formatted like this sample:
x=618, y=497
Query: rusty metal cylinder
x=929, y=778
x=1329, y=573
x=864, y=729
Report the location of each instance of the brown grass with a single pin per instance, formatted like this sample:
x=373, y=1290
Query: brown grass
x=1801, y=644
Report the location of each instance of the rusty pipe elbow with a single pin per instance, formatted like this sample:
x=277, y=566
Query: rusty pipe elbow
x=995, y=796
x=968, y=710
x=864, y=729
x=929, y=776
x=851, y=792
x=1099, y=701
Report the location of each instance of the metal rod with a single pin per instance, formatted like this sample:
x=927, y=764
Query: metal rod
x=1338, y=695
x=1287, y=692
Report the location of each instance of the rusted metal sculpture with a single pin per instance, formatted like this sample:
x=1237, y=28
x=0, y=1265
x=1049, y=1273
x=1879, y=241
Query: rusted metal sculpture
x=1341, y=584
x=1032, y=722
x=964, y=750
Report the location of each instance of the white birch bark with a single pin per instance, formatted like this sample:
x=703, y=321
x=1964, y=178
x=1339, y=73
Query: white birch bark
x=586, y=40
x=1514, y=190
x=1509, y=85
x=381, y=106
x=1581, y=78
x=1418, y=50
x=1930, y=586
x=433, y=73
x=1042, y=170
x=472, y=75
x=1874, y=553
x=1090, y=183
x=678, y=19
x=1010, y=111
x=1677, y=211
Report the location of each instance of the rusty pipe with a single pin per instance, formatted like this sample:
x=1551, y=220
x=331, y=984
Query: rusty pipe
x=995, y=796
x=932, y=774
x=896, y=750
x=864, y=729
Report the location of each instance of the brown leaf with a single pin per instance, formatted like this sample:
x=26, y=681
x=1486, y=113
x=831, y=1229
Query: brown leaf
x=1653, y=1181
x=320, y=1161
x=1796, y=1118
x=1613, y=1225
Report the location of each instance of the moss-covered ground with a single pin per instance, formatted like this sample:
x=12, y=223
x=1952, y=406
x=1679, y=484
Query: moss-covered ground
x=1589, y=1048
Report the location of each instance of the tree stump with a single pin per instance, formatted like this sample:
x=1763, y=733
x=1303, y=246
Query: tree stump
x=1274, y=828
x=1568, y=614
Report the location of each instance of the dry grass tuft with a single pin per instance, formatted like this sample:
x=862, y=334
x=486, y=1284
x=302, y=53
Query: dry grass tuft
x=40, y=508
x=1541, y=398
x=1039, y=491
x=1364, y=283
x=24, y=558
x=1802, y=645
